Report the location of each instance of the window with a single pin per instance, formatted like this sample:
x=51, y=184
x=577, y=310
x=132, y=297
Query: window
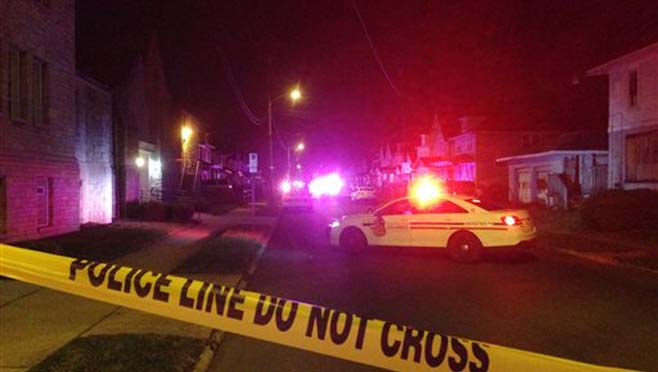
x=491, y=205
x=38, y=91
x=400, y=207
x=642, y=157
x=632, y=88
x=18, y=87
x=204, y=154
x=444, y=206
x=44, y=191
x=3, y=206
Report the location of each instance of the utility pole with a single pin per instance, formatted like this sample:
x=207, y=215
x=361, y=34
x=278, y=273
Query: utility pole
x=271, y=155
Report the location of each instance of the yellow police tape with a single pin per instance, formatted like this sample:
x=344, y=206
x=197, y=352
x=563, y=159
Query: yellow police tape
x=303, y=326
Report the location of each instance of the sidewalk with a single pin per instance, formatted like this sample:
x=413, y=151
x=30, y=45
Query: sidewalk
x=35, y=322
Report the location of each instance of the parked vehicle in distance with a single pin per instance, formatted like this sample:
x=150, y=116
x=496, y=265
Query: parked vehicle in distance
x=363, y=193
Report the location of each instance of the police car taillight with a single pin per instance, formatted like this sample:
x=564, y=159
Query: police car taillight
x=511, y=220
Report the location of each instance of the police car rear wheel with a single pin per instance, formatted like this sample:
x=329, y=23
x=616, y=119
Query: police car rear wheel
x=353, y=240
x=464, y=247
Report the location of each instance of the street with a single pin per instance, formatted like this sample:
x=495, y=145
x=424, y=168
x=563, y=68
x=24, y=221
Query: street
x=539, y=302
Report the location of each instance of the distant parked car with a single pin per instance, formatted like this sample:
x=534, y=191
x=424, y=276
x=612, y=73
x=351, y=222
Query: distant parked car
x=363, y=193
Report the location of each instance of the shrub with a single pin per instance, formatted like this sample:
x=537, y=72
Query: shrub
x=134, y=210
x=154, y=211
x=615, y=210
x=180, y=212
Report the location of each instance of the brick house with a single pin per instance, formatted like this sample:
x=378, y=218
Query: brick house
x=94, y=151
x=39, y=172
x=633, y=118
x=467, y=156
x=144, y=114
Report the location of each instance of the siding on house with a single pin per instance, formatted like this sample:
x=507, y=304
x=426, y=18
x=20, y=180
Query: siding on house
x=39, y=148
x=633, y=122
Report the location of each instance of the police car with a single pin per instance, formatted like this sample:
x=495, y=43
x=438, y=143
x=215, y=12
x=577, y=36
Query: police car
x=465, y=226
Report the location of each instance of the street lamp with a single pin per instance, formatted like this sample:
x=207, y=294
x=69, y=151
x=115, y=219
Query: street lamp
x=298, y=148
x=185, y=134
x=294, y=95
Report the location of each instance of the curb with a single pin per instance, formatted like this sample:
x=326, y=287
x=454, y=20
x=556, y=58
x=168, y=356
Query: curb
x=604, y=260
x=216, y=336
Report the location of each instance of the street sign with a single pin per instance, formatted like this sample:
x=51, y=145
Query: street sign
x=253, y=162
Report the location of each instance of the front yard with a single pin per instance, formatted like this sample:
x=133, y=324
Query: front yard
x=99, y=242
x=563, y=229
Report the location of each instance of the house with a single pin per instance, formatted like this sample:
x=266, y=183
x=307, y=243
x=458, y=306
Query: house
x=633, y=118
x=574, y=169
x=39, y=171
x=143, y=112
x=94, y=150
x=392, y=166
x=468, y=155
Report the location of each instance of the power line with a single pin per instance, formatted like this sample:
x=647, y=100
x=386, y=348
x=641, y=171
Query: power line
x=374, y=51
x=244, y=107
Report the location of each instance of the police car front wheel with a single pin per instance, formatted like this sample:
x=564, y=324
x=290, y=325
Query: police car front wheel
x=464, y=247
x=353, y=239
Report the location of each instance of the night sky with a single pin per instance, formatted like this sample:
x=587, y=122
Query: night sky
x=520, y=61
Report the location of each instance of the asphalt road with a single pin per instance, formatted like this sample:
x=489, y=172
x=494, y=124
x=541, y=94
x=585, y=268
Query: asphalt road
x=542, y=302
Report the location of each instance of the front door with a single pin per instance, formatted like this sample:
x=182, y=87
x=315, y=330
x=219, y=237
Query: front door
x=525, y=186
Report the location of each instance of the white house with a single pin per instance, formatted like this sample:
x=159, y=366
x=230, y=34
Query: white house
x=633, y=121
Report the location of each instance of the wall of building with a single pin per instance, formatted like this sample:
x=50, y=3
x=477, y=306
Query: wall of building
x=34, y=154
x=494, y=145
x=587, y=169
x=626, y=119
x=94, y=151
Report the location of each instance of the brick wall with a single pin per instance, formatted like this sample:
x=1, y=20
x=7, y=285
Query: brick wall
x=94, y=151
x=30, y=153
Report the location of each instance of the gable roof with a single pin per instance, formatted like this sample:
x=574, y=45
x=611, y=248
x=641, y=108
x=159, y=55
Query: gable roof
x=632, y=57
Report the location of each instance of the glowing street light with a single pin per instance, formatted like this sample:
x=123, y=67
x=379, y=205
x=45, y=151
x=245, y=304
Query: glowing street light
x=295, y=95
x=139, y=161
x=186, y=133
x=300, y=147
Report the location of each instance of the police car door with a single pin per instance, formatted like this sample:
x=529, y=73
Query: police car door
x=431, y=227
x=391, y=224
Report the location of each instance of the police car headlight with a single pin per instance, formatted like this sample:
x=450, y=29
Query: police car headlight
x=334, y=224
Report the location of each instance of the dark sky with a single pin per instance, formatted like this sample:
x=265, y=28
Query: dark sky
x=514, y=60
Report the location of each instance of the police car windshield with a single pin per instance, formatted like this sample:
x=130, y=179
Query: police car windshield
x=489, y=205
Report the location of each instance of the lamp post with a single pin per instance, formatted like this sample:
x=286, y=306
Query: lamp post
x=185, y=135
x=299, y=147
x=294, y=95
